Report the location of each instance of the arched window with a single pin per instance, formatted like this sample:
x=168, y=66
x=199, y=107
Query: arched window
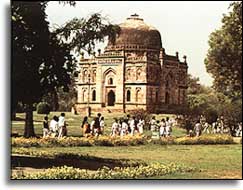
x=93, y=95
x=85, y=76
x=128, y=74
x=138, y=74
x=84, y=95
x=110, y=81
x=167, y=98
x=128, y=95
x=137, y=95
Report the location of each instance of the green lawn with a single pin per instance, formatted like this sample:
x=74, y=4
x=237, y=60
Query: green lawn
x=211, y=161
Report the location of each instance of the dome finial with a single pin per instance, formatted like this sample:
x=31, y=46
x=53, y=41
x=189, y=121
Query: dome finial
x=134, y=16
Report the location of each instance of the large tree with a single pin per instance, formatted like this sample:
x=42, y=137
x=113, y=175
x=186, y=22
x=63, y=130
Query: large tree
x=224, y=58
x=41, y=60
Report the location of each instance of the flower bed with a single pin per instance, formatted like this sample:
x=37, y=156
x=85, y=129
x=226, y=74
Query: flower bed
x=142, y=171
x=205, y=139
x=79, y=141
x=118, y=141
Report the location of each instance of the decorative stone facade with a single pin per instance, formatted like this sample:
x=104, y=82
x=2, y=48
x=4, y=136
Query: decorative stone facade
x=133, y=72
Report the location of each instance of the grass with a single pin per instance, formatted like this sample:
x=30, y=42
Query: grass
x=212, y=161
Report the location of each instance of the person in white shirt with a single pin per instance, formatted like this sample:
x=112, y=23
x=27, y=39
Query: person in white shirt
x=214, y=127
x=153, y=124
x=168, y=127
x=124, y=128
x=115, y=128
x=206, y=128
x=132, y=126
x=61, y=125
x=92, y=126
x=198, y=129
x=54, y=126
x=162, y=129
x=141, y=124
x=102, y=125
x=239, y=130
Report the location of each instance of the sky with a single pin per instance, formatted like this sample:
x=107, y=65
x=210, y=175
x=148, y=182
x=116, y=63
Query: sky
x=184, y=26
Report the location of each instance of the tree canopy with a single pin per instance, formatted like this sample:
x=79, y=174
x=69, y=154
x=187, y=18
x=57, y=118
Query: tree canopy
x=224, y=58
x=41, y=59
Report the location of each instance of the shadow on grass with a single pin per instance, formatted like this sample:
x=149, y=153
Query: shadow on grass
x=92, y=163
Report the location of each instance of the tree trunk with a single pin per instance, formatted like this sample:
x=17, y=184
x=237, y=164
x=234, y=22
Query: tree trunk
x=13, y=115
x=29, y=126
x=55, y=103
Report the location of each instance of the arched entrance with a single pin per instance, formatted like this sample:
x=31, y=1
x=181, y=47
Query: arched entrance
x=167, y=98
x=111, y=98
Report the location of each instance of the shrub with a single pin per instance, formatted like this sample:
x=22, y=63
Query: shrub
x=43, y=108
x=141, y=171
x=118, y=141
x=205, y=139
x=78, y=141
x=163, y=141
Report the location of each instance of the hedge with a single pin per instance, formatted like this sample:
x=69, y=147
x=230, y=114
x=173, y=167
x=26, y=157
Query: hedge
x=118, y=141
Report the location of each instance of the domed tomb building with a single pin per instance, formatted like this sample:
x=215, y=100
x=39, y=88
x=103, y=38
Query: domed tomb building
x=134, y=72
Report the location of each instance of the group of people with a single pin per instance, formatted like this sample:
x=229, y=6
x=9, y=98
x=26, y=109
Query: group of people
x=95, y=128
x=135, y=125
x=164, y=127
x=57, y=127
x=128, y=125
x=218, y=127
x=221, y=127
x=120, y=127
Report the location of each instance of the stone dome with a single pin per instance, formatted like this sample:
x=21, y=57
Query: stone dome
x=136, y=34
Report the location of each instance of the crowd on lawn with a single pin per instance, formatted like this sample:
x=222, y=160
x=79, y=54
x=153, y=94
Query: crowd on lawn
x=135, y=125
x=220, y=126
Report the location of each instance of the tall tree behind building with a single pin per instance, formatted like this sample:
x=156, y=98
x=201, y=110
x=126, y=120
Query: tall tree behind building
x=224, y=58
